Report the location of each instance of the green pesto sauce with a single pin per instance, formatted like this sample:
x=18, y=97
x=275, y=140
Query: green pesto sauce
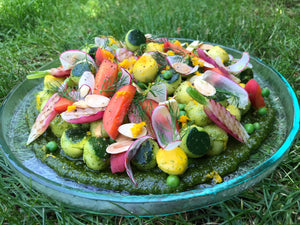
x=154, y=181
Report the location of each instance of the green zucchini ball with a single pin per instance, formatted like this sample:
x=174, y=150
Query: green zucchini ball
x=58, y=126
x=72, y=142
x=172, y=82
x=145, y=157
x=181, y=96
x=195, y=141
x=94, y=153
x=218, y=137
x=196, y=113
x=134, y=38
x=79, y=69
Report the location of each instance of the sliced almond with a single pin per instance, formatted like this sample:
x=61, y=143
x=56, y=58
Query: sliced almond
x=96, y=101
x=206, y=46
x=118, y=147
x=80, y=104
x=84, y=91
x=181, y=67
x=204, y=87
x=125, y=129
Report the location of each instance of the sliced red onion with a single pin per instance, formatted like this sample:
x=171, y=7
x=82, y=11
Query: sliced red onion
x=123, y=53
x=44, y=118
x=225, y=120
x=134, y=147
x=165, y=129
x=222, y=82
x=69, y=58
x=86, y=84
x=125, y=78
x=240, y=65
x=83, y=115
x=158, y=92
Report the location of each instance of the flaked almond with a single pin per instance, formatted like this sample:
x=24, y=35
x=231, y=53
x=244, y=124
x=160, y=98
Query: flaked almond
x=96, y=101
x=204, y=87
x=80, y=104
x=118, y=147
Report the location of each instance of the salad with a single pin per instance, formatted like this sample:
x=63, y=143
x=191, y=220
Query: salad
x=150, y=104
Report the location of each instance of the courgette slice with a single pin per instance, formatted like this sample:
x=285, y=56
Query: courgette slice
x=195, y=141
x=134, y=38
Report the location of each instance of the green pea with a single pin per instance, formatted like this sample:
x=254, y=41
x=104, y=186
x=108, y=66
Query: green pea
x=256, y=126
x=173, y=181
x=167, y=75
x=181, y=106
x=181, y=113
x=249, y=128
x=51, y=146
x=265, y=92
x=262, y=111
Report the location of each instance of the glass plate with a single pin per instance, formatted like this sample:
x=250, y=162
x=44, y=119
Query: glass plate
x=45, y=180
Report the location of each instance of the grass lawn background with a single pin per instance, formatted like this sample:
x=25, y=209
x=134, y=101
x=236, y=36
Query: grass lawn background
x=33, y=33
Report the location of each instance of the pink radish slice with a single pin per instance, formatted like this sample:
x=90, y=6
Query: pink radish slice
x=134, y=147
x=135, y=117
x=240, y=65
x=222, y=82
x=117, y=162
x=164, y=126
x=86, y=83
x=158, y=92
x=60, y=72
x=44, y=118
x=69, y=58
x=225, y=120
x=83, y=115
x=125, y=78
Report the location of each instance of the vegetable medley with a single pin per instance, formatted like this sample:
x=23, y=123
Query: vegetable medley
x=146, y=102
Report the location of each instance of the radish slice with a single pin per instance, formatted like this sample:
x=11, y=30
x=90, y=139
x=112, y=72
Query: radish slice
x=96, y=101
x=225, y=120
x=123, y=53
x=158, y=92
x=221, y=82
x=240, y=65
x=44, y=118
x=172, y=106
x=131, y=153
x=119, y=147
x=125, y=78
x=220, y=116
x=69, y=58
x=86, y=84
x=164, y=126
x=85, y=115
x=117, y=164
x=204, y=87
x=193, y=46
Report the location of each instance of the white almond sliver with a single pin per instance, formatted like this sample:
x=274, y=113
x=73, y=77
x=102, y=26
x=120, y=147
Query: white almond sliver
x=118, y=147
x=96, y=101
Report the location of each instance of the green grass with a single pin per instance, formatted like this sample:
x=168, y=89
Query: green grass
x=33, y=33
